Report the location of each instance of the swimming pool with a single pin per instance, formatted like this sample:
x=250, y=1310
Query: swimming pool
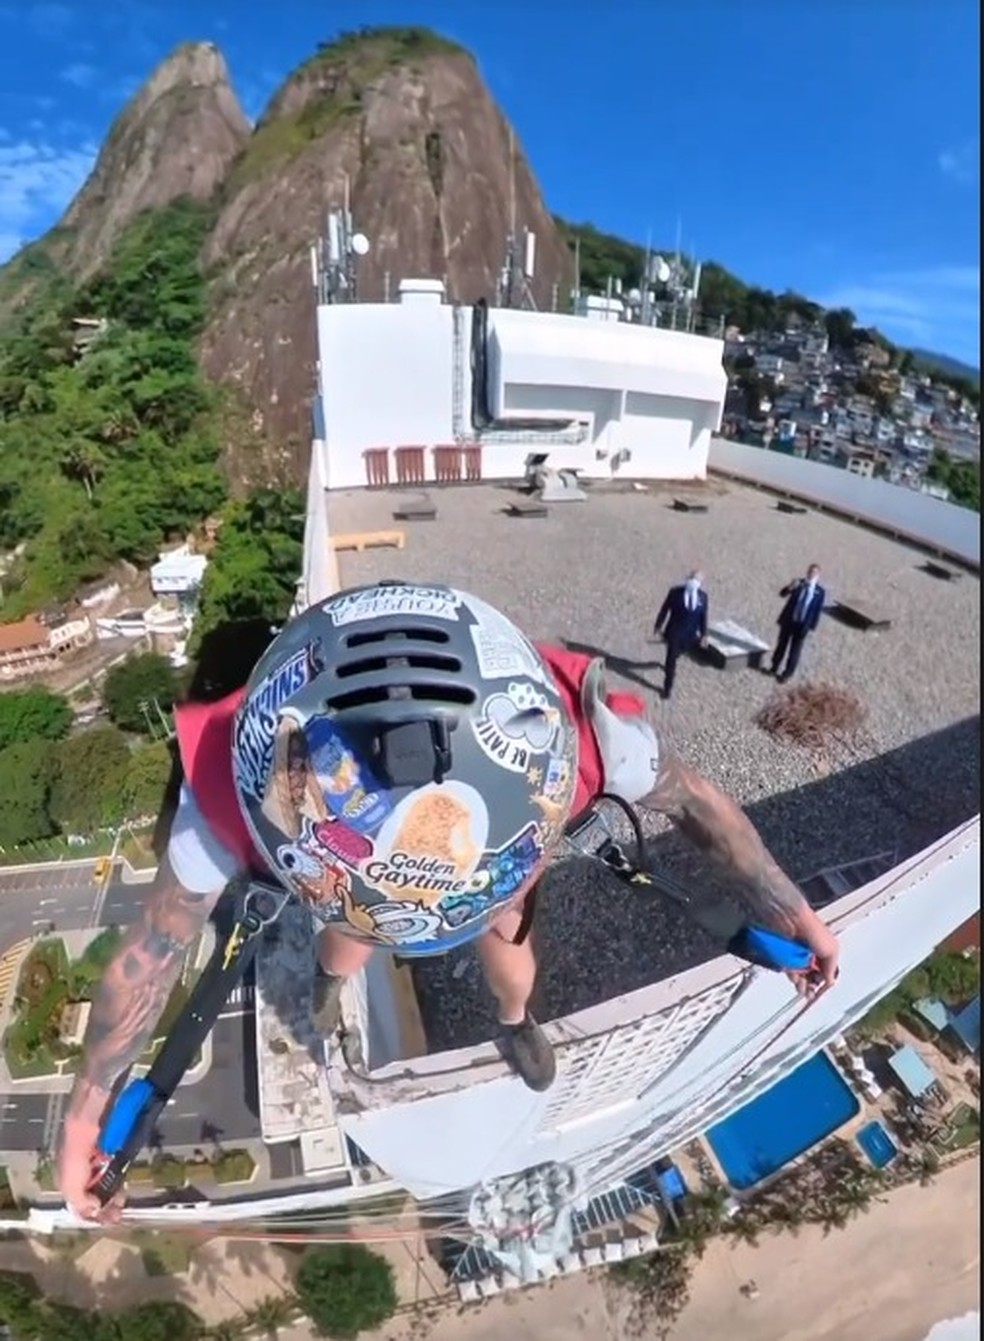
x=876, y=1143
x=788, y=1119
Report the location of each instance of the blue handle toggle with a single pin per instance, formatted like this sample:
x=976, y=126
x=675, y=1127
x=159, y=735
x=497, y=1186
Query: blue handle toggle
x=770, y=950
x=124, y=1115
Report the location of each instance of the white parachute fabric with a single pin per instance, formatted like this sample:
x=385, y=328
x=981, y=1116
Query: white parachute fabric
x=525, y=1220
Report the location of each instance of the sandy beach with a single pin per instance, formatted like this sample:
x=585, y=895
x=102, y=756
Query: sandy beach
x=911, y=1262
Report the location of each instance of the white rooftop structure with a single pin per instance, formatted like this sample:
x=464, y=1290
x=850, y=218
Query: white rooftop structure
x=407, y=388
x=178, y=572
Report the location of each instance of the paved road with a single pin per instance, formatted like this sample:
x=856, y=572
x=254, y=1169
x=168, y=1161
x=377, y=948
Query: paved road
x=225, y=1099
x=66, y=895
x=22, y=1120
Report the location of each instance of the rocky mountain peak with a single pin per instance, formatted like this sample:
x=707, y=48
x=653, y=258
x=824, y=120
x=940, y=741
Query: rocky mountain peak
x=401, y=121
x=176, y=137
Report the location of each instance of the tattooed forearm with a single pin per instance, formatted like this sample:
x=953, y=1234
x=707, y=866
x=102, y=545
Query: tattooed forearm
x=135, y=988
x=719, y=827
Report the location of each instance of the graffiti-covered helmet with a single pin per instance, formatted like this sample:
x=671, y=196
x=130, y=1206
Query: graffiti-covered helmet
x=404, y=762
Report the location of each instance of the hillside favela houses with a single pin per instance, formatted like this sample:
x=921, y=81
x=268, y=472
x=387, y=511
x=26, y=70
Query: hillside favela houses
x=41, y=643
x=103, y=612
x=420, y=397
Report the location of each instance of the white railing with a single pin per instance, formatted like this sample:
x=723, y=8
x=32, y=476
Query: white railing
x=941, y=527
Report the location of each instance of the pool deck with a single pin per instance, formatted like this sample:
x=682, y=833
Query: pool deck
x=951, y=1074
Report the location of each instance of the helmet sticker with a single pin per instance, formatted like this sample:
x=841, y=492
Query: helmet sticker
x=515, y=725
x=401, y=923
x=432, y=844
x=317, y=883
x=349, y=788
x=376, y=602
x=500, y=649
x=256, y=724
x=335, y=838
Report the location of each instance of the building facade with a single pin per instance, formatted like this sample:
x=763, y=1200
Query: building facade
x=421, y=390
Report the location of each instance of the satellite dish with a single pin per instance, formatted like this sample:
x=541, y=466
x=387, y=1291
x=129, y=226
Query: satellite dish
x=662, y=271
x=360, y=244
x=634, y=296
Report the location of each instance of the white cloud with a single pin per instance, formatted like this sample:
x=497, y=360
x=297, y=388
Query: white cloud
x=37, y=181
x=961, y=164
x=79, y=74
x=936, y=307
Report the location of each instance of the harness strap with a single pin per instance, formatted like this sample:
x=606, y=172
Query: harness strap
x=721, y=919
x=130, y=1121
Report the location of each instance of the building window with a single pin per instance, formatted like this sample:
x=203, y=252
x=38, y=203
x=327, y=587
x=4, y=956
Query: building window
x=605, y=1073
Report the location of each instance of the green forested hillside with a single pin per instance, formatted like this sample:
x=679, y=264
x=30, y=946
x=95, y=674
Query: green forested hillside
x=105, y=455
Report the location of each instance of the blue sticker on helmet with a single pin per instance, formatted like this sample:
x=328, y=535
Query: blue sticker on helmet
x=350, y=790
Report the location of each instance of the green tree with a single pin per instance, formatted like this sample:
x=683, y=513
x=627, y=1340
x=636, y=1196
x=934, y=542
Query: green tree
x=346, y=1289
x=158, y=1321
x=89, y=788
x=18, y=1306
x=26, y=773
x=33, y=714
x=272, y=1313
x=840, y=323
x=145, y=782
x=962, y=478
x=135, y=681
x=106, y=456
x=64, y=1322
x=256, y=564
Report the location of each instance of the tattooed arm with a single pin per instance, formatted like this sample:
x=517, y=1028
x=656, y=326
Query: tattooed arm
x=133, y=993
x=719, y=827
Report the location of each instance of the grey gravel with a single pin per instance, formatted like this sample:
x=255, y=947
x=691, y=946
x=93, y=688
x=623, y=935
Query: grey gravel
x=594, y=573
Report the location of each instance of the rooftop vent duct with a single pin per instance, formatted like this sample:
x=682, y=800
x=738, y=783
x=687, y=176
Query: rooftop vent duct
x=429, y=291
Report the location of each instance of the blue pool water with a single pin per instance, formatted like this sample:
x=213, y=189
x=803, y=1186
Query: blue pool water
x=876, y=1143
x=791, y=1117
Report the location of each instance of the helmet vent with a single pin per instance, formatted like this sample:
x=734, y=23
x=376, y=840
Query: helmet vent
x=423, y=635
x=380, y=662
x=443, y=693
x=409, y=663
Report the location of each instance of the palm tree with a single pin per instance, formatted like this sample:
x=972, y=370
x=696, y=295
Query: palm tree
x=745, y=1227
x=928, y=1166
x=83, y=460
x=272, y=1313
x=230, y=1330
x=785, y=1215
x=854, y=1197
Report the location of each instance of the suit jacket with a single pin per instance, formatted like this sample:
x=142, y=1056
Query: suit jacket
x=682, y=626
x=787, y=617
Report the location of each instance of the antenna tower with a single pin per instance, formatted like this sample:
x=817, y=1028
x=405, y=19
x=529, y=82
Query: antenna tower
x=335, y=257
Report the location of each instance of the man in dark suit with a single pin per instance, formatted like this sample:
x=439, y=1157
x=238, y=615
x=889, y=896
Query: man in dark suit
x=800, y=615
x=682, y=620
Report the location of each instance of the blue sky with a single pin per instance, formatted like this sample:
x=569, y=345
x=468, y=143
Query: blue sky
x=830, y=146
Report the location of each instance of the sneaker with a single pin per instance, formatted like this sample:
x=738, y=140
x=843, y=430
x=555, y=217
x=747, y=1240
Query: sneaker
x=326, y=1002
x=526, y=1049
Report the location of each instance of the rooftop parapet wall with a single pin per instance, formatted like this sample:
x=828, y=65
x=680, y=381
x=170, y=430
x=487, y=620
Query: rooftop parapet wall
x=941, y=527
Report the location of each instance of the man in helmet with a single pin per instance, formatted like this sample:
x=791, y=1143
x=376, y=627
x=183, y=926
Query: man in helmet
x=404, y=761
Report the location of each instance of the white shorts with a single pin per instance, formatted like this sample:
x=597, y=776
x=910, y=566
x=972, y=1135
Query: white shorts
x=202, y=863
